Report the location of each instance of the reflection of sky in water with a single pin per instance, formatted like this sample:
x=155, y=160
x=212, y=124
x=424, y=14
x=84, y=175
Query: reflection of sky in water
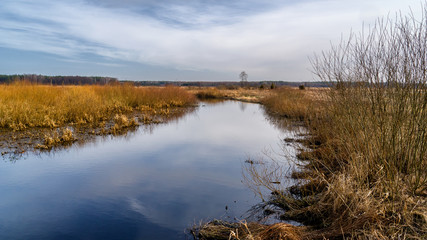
x=145, y=186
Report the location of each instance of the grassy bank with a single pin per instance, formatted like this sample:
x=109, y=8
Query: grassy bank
x=54, y=115
x=294, y=103
x=24, y=105
x=363, y=170
x=253, y=95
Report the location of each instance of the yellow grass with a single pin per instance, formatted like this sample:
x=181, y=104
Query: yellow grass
x=293, y=103
x=239, y=94
x=217, y=230
x=24, y=105
x=366, y=173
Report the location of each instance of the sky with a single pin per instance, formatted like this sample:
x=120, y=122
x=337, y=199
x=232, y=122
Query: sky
x=181, y=40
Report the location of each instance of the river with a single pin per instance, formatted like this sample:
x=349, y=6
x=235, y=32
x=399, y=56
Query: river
x=150, y=184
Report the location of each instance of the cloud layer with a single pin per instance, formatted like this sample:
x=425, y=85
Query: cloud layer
x=269, y=41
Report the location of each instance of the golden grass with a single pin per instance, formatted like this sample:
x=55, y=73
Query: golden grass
x=56, y=138
x=239, y=94
x=366, y=175
x=293, y=103
x=24, y=105
x=218, y=230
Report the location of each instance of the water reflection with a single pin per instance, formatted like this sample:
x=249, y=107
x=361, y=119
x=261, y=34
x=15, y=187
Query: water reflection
x=145, y=185
x=284, y=124
x=242, y=106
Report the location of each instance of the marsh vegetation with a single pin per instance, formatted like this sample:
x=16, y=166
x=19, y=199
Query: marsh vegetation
x=363, y=167
x=28, y=109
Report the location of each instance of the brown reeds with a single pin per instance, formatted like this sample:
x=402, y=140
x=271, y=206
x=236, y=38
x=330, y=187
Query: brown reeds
x=208, y=93
x=45, y=116
x=239, y=94
x=369, y=142
x=24, y=105
x=293, y=103
x=218, y=230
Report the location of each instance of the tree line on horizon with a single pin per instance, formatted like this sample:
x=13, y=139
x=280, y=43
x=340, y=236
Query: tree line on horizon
x=58, y=80
x=96, y=80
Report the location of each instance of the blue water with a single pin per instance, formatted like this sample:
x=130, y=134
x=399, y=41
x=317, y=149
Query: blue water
x=152, y=184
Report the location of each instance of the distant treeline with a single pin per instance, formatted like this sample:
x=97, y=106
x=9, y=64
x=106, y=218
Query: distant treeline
x=83, y=80
x=228, y=84
x=58, y=80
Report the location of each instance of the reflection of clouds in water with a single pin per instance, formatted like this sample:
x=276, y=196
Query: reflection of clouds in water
x=183, y=172
x=137, y=206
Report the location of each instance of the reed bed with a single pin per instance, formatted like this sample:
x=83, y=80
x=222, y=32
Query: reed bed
x=294, y=103
x=365, y=176
x=24, y=105
x=238, y=94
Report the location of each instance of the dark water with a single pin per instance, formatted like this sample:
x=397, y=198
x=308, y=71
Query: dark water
x=152, y=184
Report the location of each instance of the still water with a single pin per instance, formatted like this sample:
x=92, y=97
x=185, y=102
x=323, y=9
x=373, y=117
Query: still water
x=152, y=184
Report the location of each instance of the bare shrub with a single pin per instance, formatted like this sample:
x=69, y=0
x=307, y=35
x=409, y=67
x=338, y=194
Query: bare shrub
x=376, y=123
x=366, y=176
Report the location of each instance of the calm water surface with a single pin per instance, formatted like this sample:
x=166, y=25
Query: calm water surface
x=152, y=184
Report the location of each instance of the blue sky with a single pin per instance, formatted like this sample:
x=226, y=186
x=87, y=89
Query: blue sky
x=179, y=40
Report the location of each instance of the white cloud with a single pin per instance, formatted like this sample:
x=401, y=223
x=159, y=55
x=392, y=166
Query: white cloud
x=272, y=44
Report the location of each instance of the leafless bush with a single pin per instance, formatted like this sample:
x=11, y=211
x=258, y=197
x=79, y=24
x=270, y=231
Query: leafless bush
x=367, y=173
x=376, y=121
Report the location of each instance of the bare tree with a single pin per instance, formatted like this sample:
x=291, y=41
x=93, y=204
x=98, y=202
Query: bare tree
x=243, y=78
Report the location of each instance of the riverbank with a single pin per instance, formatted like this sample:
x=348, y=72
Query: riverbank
x=44, y=116
x=364, y=167
x=252, y=95
x=363, y=170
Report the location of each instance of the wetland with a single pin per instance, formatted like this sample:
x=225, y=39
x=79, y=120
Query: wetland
x=152, y=182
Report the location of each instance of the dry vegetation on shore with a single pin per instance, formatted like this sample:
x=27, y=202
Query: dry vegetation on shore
x=110, y=108
x=294, y=103
x=364, y=175
x=364, y=171
x=25, y=105
x=253, y=95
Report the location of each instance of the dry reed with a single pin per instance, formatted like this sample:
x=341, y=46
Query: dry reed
x=369, y=142
x=24, y=105
x=218, y=230
x=293, y=103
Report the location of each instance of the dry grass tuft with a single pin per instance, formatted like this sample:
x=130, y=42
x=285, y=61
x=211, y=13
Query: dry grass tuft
x=57, y=138
x=280, y=231
x=220, y=230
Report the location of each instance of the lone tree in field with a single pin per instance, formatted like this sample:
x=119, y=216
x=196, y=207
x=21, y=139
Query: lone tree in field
x=243, y=78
